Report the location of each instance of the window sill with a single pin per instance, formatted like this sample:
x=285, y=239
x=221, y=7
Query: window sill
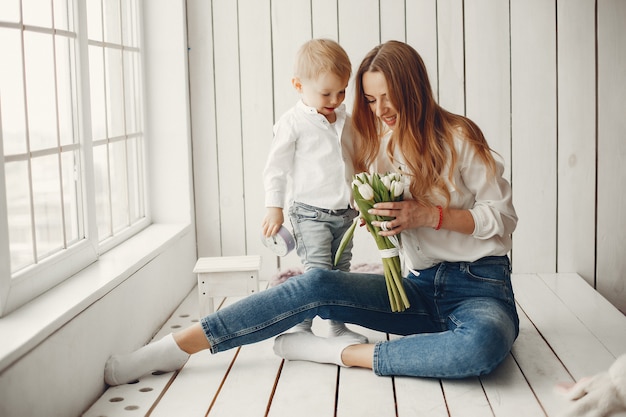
x=26, y=327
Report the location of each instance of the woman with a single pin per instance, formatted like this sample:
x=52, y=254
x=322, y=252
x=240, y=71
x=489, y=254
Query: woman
x=456, y=226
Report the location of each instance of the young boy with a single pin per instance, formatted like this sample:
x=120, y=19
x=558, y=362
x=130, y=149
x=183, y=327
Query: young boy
x=312, y=147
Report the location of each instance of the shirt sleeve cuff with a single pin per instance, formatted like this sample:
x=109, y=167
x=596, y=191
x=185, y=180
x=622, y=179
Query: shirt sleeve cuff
x=486, y=224
x=274, y=201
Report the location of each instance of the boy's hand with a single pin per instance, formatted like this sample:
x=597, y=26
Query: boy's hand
x=272, y=222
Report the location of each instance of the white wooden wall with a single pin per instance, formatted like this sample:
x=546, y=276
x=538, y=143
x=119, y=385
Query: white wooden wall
x=551, y=102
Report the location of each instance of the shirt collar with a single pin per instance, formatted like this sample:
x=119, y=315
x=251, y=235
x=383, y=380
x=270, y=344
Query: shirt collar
x=313, y=110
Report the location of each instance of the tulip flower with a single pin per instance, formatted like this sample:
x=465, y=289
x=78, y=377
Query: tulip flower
x=369, y=189
x=397, y=188
x=366, y=191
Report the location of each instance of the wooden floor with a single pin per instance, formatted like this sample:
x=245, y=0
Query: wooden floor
x=567, y=331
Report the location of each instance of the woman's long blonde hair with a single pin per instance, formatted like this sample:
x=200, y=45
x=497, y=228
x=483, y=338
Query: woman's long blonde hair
x=424, y=133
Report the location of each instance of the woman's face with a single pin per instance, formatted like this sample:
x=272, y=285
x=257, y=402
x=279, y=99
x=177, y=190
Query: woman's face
x=377, y=96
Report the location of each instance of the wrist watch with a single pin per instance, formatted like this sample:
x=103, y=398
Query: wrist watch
x=281, y=243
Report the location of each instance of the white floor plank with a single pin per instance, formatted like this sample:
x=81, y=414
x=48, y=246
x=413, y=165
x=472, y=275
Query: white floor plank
x=540, y=366
x=466, y=398
x=363, y=393
x=195, y=387
x=141, y=396
x=508, y=392
x=601, y=317
x=250, y=382
x=197, y=384
x=306, y=389
x=136, y=398
x=581, y=352
x=420, y=397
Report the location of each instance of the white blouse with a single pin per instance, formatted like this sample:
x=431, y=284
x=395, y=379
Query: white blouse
x=489, y=200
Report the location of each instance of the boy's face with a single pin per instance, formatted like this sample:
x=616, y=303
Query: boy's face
x=325, y=93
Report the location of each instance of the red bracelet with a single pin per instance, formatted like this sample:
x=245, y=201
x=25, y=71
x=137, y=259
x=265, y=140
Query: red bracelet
x=440, y=217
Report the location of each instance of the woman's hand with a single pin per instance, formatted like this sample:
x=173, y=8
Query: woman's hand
x=411, y=214
x=408, y=214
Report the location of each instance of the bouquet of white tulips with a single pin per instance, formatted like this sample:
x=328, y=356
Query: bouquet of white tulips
x=369, y=189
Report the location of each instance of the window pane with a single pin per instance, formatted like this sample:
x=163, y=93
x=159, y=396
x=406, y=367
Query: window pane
x=12, y=96
x=37, y=13
x=129, y=23
x=115, y=92
x=62, y=15
x=66, y=90
x=132, y=96
x=40, y=95
x=39, y=103
x=72, y=200
x=47, y=205
x=112, y=29
x=10, y=11
x=94, y=20
x=119, y=186
x=96, y=76
x=135, y=179
x=117, y=121
x=19, y=209
x=101, y=186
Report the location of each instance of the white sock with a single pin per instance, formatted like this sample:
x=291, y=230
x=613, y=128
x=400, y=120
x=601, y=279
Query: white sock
x=163, y=355
x=339, y=329
x=303, y=346
x=305, y=326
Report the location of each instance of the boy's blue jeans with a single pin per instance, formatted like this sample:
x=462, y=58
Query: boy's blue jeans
x=319, y=233
x=462, y=320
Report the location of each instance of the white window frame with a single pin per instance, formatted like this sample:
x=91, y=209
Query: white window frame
x=164, y=253
x=21, y=287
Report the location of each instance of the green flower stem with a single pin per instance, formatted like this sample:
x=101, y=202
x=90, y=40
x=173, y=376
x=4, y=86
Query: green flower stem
x=393, y=288
x=347, y=237
x=392, y=266
x=393, y=274
x=397, y=276
x=388, y=281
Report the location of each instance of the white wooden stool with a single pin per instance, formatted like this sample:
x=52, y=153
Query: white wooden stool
x=226, y=276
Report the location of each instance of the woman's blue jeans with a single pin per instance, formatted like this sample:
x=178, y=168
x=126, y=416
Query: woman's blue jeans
x=462, y=320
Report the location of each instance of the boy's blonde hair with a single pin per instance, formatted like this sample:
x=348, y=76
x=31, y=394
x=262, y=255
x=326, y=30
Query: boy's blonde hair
x=322, y=55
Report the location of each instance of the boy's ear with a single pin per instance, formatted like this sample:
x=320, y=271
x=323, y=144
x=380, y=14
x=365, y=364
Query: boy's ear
x=297, y=84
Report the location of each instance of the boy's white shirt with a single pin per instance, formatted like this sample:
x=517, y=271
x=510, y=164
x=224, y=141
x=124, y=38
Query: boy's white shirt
x=310, y=160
